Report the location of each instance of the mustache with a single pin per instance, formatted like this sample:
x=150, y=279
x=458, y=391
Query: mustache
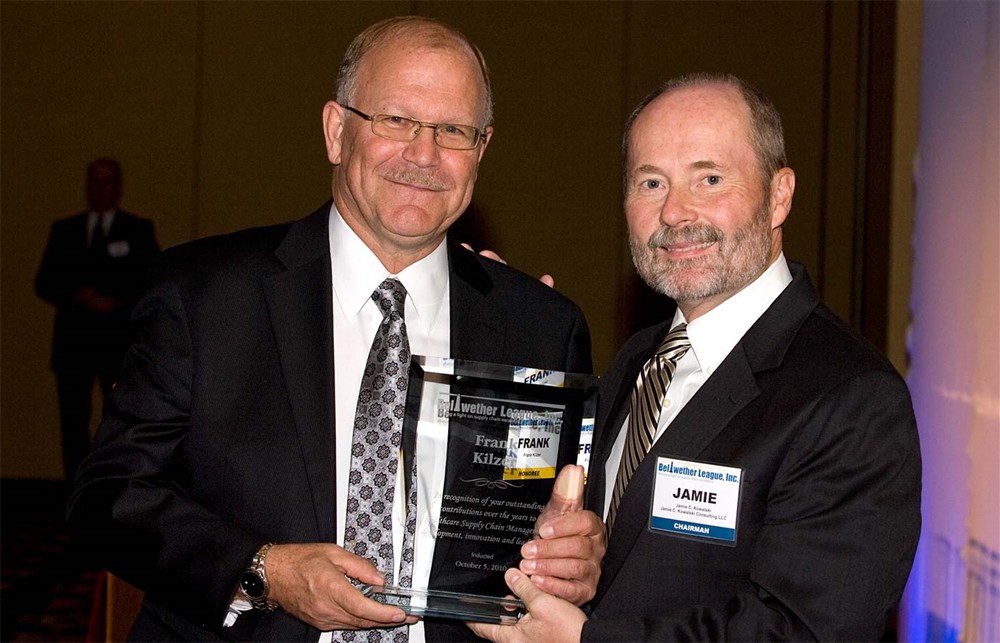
x=695, y=233
x=409, y=176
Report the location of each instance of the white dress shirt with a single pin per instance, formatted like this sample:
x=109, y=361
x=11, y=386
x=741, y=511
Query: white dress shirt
x=356, y=318
x=713, y=336
x=104, y=219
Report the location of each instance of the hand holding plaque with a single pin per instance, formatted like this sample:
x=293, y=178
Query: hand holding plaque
x=565, y=557
x=508, y=431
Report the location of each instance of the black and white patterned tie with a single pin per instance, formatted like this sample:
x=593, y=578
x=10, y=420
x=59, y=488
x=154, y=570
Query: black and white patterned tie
x=375, y=454
x=644, y=409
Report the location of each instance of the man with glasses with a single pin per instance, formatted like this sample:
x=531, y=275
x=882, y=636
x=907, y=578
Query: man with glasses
x=228, y=461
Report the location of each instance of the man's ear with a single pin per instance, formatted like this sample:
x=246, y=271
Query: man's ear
x=333, y=130
x=486, y=141
x=782, y=189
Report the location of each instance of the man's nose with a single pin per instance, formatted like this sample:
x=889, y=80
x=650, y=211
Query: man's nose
x=423, y=151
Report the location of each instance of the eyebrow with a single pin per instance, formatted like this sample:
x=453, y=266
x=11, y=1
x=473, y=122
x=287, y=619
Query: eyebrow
x=705, y=165
x=697, y=165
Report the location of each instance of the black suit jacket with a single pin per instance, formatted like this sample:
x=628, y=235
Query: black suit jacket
x=220, y=435
x=829, y=513
x=68, y=265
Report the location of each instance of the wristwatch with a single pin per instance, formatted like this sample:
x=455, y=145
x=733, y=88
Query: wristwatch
x=253, y=582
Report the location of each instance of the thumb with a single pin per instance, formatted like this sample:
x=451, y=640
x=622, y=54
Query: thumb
x=521, y=585
x=360, y=569
x=567, y=495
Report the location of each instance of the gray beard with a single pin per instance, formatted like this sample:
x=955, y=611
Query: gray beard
x=742, y=256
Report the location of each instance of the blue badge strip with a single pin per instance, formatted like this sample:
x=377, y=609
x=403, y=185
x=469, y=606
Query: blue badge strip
x=693, y=529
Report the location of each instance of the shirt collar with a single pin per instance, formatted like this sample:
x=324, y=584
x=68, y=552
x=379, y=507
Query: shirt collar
x=104, y=218
x=357, y=272
x=714, y=334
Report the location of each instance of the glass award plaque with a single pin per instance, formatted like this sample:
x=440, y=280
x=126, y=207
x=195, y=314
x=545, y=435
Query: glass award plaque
x=450, y=605
x=490, y=439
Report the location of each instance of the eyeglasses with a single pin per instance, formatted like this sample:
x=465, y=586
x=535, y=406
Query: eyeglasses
x=399, y=128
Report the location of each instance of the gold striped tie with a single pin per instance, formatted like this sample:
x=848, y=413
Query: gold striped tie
x=644, y=409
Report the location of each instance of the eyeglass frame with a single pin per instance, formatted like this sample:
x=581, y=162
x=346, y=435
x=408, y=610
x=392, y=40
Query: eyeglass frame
x=480, y=134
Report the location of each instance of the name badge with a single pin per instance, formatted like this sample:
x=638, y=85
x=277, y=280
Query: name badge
x=118, y=249
x=696, y=499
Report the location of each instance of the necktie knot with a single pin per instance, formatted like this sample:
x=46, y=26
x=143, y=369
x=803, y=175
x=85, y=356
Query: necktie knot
x=390, y=296
x=644, y=410
x=674, y=345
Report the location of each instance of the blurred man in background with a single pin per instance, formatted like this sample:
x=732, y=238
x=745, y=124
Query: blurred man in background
x=93, y=272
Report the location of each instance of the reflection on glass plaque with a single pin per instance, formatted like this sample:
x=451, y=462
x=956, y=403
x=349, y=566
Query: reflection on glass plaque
x=490, y=440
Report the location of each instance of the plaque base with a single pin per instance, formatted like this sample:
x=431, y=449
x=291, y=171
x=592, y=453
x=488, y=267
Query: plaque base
x=450, y=605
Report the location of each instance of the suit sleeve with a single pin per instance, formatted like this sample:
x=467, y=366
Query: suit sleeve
x=53, y=282
x=143, y=252
x=841, y=527
x=129, y=508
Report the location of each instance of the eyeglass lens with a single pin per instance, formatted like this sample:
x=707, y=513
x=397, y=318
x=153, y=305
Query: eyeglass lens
x=458, y=137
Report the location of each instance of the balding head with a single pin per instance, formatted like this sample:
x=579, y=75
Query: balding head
x=415, y=33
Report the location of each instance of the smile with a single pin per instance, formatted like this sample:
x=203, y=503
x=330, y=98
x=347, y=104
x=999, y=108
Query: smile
x=684, y=247
x=416, y=181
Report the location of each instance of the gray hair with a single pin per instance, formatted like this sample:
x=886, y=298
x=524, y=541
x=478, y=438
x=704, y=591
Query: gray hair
x=767, y=137
x=429, y=33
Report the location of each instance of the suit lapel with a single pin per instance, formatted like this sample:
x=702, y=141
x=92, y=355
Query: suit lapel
x=611, y=422
x=477, y=321
x=708, y=413
x=299, y=305
x=730, y=389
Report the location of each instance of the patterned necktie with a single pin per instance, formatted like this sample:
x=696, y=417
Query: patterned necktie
x=375, y=454
x=644, y=409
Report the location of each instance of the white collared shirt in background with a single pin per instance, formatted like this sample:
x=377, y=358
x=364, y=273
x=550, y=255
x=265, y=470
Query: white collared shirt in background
x=713, y=336
x=104, y=219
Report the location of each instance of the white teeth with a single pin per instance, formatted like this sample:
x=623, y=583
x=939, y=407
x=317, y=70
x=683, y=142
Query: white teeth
x=688, y=248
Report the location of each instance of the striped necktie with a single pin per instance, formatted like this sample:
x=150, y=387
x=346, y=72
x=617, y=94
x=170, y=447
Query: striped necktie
x=644, y=409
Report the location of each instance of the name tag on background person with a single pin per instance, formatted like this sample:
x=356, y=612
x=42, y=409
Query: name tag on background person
x=696, y=500
x=118, y=249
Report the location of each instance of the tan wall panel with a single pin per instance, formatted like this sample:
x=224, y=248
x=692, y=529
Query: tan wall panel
x=777, y=46
x=836, y=281
x=80, y=80
x=214, y=110
x=548, y=193
x=269, y=67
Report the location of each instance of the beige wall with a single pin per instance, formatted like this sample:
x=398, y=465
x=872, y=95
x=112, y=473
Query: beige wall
x=214, y=111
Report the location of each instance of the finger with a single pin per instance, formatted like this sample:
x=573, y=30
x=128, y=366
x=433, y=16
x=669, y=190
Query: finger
x=574, y=569
x=567, y=495
x=548, y=280
x=575, y=523
x=495, y=633
x=556, y=548
x=522, y=587
x=365, y=612
x=567, y=492
x=575, y=592
x=359, y=568
x=467, y=247
x=489, y=254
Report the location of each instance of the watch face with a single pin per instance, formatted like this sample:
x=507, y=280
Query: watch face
x=252, y=585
